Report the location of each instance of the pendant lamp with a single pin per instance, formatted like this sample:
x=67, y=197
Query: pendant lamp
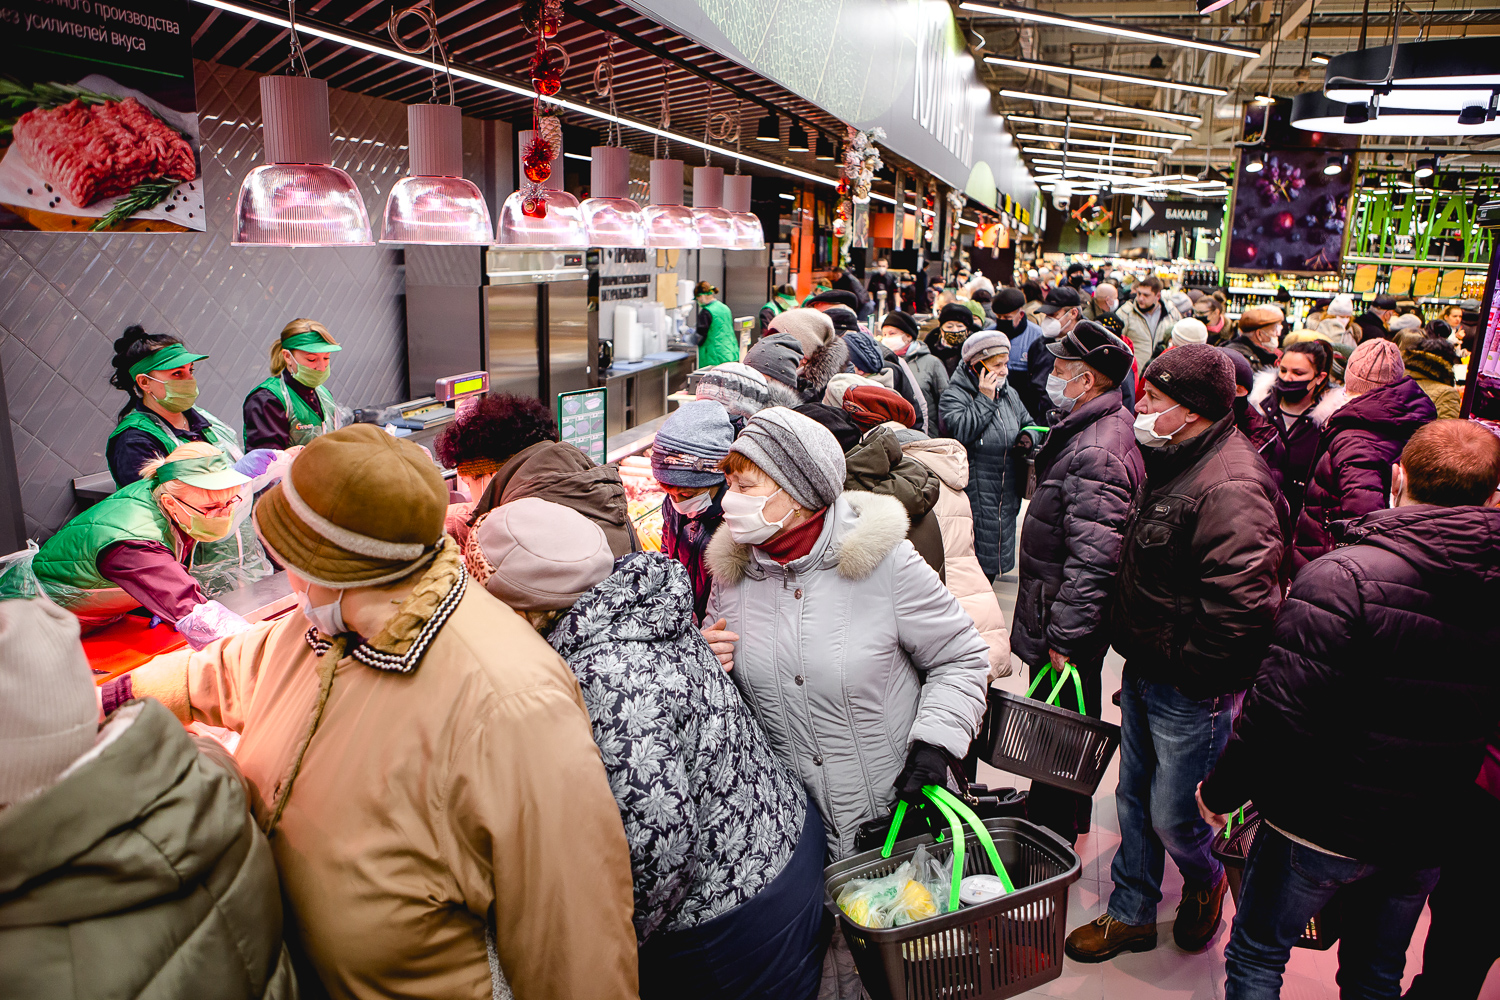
x=748, y=232
x=297, y=198
x=436, y=206
x=554, y=220
x=669, y=226
x=715, y=225
x=610, y=218
x=1447, y=87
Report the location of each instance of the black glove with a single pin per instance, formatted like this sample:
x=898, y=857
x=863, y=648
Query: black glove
x=925, y=765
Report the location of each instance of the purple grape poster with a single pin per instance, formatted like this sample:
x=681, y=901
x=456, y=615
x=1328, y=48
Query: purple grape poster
x=1290, y=215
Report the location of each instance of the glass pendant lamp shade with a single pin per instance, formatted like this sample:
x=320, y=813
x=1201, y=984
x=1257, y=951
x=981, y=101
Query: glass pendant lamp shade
x=296, y=198
x=610, y=218
x=436, y=205
x=555, y=222
x=715, y=225
x=669, y=225
x=748, y=232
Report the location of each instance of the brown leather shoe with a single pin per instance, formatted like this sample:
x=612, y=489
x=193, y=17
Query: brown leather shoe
x=1199, y=915
x=1104, y=938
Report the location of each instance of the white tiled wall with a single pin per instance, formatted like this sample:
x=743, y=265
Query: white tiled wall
x=64, y=298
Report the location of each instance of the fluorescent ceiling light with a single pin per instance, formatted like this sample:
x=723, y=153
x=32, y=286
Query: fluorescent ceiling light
x=1093, y=166
x=579, y=156
x=1099, y=74
x=1123, y=109
x=365, y=45
x=1102, y=28
x=788, y=197
x=1036, y=151
x=1038, y=137
x=1318, y=59
x=1108, y=129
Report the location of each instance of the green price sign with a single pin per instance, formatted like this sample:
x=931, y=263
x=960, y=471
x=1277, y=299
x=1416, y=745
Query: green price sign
x=580, y=421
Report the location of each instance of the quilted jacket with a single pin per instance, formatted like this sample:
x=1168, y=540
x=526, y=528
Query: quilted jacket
x=988, y=428
x=849, y=654
x=1086, y=475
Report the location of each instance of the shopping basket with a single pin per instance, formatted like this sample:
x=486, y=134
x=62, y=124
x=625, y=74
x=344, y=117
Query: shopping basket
x=995, y=949
x=1046, y=743
x=1232, y=848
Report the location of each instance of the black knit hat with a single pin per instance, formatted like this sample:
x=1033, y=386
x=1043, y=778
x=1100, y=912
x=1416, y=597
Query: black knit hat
x=955, y=313
x=1197, y=376
x=837, y=297
x=902, y=321
x=1008, y=300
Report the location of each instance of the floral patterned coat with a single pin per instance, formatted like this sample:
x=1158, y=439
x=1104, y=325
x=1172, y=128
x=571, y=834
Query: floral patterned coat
x=711, y=814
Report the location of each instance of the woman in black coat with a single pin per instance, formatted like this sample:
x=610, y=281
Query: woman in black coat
x=1296, y=398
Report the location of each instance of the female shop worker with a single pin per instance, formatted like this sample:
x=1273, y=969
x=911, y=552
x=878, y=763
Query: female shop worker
x=291, y=407
x=133, y=548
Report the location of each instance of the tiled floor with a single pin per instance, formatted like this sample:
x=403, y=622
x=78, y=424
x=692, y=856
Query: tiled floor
x=1166, y=973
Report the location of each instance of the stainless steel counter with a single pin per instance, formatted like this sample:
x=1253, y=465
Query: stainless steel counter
x=638, y=390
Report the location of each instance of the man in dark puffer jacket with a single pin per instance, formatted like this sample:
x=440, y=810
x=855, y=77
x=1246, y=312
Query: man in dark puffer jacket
x=1192, y=614
x=1086, y=474
x=1368, y=721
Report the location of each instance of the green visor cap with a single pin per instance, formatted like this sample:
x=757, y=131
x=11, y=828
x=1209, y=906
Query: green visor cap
x=212, y=473
x=312, y=342
x=171, y=356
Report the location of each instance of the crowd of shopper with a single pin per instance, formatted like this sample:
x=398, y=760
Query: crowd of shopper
x=503, y=750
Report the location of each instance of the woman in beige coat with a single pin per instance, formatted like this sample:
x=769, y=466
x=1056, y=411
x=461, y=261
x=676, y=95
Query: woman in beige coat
x=966, y=581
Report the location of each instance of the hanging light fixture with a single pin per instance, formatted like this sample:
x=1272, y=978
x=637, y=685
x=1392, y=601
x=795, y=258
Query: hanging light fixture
x=543, y=216
x=1255, y=163
x=1335, y=164
x=297, y=197
x=769, y=129
x=748, y=232
x=825, y=149
x=796, y=139
x=436, y=205
x=715, y=225
x=1426, y=167
x=610, y=217
x=669, y=226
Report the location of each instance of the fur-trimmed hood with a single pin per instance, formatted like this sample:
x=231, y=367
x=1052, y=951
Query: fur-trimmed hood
x=1327, y=404
x=860, y=530
x=820, y=366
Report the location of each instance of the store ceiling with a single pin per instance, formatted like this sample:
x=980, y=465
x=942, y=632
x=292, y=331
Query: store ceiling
x=486, y=36
x=1303, y=27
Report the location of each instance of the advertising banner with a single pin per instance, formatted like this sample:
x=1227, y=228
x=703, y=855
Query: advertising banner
x=899, y=65
x=98, y=117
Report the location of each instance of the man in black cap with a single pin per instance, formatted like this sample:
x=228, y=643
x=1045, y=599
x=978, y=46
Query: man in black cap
x=842, y=307
x=1064, y=305
x=1086, y=474
x=843, y=281
x=1194, y=602
x=1011, y=319
x=1375, y=320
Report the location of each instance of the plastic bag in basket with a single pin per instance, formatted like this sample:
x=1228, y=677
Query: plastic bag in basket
x=867, y=901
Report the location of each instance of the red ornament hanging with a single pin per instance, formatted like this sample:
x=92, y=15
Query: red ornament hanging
x=547, y=69
x=541, y=17
x=536, y=159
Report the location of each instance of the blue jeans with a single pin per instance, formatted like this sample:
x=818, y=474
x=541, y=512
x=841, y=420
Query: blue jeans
x=1286, y=883
x=1168, y=744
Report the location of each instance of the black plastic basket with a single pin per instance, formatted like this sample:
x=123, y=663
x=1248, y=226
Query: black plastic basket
x=1046, y=743
x=985, y=952
x=1322, y=929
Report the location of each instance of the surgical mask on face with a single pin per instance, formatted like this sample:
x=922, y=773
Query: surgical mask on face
x=311, y=377
x=327, y=618
x=181, y=393
x=896, y=343
x=1293, y=390
x=1145, y=429
x=201, y=527
x=694, y=504
x=746, y=518
x=1057, y=391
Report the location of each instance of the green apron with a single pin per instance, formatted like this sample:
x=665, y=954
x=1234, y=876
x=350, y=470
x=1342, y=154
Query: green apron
x=304, y=421
x=67, y=564
x=720, y=344
x=235, y=560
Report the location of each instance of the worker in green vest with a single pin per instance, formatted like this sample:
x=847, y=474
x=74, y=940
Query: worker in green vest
x=156, y=372
x=134, y=548
x=715, y=328
x=782, y=299
x=292, y=406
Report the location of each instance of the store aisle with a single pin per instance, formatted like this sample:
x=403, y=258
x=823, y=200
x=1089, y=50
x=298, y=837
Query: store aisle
x=1166, y=972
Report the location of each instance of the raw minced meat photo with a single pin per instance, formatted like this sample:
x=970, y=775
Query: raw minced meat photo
x=93, y=151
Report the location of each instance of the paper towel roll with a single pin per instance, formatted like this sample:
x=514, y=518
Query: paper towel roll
x=628, y=345
x=684, y=292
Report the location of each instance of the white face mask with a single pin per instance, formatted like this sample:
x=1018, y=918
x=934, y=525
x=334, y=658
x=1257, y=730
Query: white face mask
x=695, y=504
x=1145, y=429
x=895, y=342
x=746, y=518
x=1057, y=391
x=328, y=618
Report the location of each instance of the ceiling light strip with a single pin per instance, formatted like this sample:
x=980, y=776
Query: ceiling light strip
x=1100, y=143
x=1075, y=102
x=1037, y=151
x=1092, y=166
x=1099, y=74
x=1107, y=129
x=1099, y=27
x=511, y=88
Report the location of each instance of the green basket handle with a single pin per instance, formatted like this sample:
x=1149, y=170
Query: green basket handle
x=1068, y=670
x=1229, y=821
x=953, y=809
x=980, y=831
